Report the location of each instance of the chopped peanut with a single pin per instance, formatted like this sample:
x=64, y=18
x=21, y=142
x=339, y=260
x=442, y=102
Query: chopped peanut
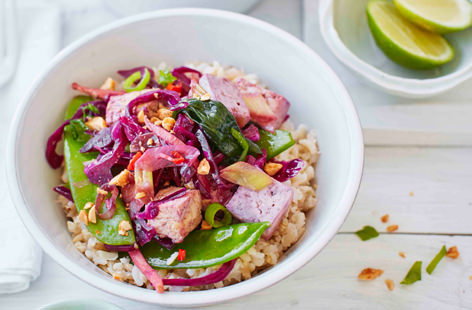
x=402, y=254
x=96, y=123
x=89, y=205
x=92, y=215
x=272, y=168
x=470, y=277
x=101, y=191
x=141, y=116
x=370, y=274
x=392, y=228
x=140, y=195
x=83, y=217
x=121, y=179
x=205, y=225
x=390, y=284
x=384, y=218
x=124, y=227
x=109, y=84
x=162, y=113
x=411, y=194
x=168, y=123
x=150, y=142
x=203, y=167
x=452, y=252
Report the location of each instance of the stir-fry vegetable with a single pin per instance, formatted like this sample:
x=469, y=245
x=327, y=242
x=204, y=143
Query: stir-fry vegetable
x=133, y=78
x=219, y=124
x=211, y=214
x=246, y=175
x=275, y=143
x=205, y=248
x=83, y=191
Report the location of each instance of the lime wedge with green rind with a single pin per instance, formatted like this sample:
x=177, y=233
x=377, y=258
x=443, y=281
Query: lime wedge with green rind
x=402, y=41
x=440, y=16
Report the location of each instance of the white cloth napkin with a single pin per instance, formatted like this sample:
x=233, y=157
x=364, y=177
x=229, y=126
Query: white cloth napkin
x=39, y=33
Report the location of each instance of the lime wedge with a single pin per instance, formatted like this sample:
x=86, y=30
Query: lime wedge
x=440, y=16
x=404, y=42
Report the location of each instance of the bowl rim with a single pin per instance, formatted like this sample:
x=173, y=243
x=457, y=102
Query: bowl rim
x=407, y=87
x=197, y=298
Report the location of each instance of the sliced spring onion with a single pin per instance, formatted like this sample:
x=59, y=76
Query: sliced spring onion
x=367, y=233
x=211, y=212
x=133, y=78
x=413, y=275
x=432, y=265
x=242, y=141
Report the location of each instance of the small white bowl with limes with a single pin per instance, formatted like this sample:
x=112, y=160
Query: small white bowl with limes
x=411, y=48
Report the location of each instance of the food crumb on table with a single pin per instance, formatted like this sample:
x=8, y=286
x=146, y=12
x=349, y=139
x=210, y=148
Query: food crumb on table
x=385, y=218
x=369, y=274
x=402, y=254
x=392, y=228
x=390, y=284
x=453, y=252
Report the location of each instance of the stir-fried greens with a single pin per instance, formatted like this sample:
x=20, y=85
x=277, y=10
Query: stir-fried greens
x=162, y=166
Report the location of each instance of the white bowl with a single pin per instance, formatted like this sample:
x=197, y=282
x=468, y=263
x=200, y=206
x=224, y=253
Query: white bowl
x=343, y=25
x=176, y=36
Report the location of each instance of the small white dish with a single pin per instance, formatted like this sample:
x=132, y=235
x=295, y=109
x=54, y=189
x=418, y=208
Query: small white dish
x=344, y=28
x=318, y=99
x=81, y=304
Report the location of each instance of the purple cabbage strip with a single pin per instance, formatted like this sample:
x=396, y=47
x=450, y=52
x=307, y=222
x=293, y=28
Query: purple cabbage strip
x=139, y=143
x=184, y=128
x=131, y=128
x=99, y=170
x=98, y=142
x=64, y=191
x=119, y=248
x=252, y=133
x=144, y=232
x=180, y=74
x=171, y=97
x=260, y=161
x=289, y=170
x=208, y=154
x=217, y=276
x=152, y=82
x=109, y=202
x=165, y=242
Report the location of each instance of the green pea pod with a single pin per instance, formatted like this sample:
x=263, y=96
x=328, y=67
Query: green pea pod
x=84, y=191
x=275, y=143
x=74, y=105
x=205, y=248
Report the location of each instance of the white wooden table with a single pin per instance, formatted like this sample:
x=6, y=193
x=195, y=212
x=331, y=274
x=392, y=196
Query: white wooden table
x=418, y=169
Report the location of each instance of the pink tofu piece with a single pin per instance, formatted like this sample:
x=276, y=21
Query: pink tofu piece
x=178, y=217
x=267, y=205
x=268, y=109
x=226, y=92
x=116, y=107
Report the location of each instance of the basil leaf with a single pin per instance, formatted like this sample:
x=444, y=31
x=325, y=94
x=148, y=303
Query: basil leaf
x=367, y=233
x=218, y=124
x=413, y=275
x=432, y=265
x=165, y=78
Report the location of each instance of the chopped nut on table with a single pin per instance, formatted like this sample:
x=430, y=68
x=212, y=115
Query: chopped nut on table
x=452, y=252
x=124, y=227
x=402, y=254
x=390, y=284
x=203, y=167
x=272, y=168
x=370, y=274
x=96, y=123
x=385, y=218
x=392, y=228
x=121, y=179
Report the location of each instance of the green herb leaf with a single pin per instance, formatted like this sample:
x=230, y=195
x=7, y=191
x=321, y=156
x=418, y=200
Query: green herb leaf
x=217, y=123
x=413, y=275
x=367, y=233
x=242, y=141
x=166, y=77
x=77, y=129
x=432, y=265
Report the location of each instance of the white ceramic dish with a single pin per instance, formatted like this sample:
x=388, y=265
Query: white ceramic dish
x=283, y=62
x=344, y=28
x=126, y=7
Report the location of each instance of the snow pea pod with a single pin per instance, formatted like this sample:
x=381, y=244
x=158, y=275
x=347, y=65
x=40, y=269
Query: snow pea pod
x=84, y=191
x=205, y=248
